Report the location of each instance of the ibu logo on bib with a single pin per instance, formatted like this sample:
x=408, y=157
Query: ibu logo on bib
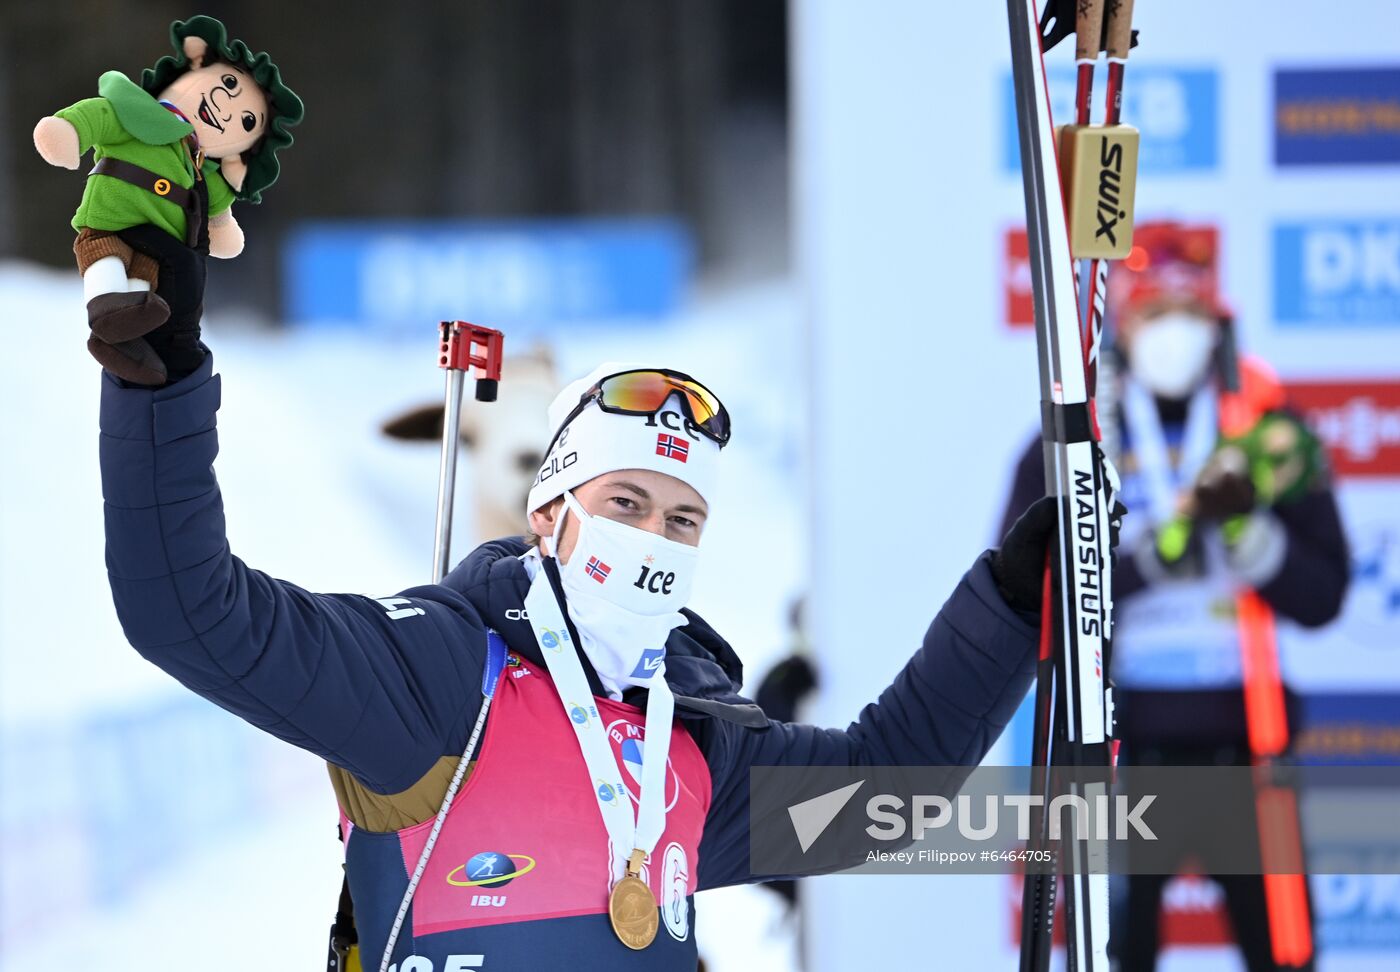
x=490, y=869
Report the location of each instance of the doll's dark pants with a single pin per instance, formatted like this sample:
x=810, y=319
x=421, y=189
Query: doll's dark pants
x=181, y=285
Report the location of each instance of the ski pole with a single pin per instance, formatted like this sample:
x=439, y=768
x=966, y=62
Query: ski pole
x=457, y=354
x=1117, y=40
x=1076, y=472
x=1039, y=893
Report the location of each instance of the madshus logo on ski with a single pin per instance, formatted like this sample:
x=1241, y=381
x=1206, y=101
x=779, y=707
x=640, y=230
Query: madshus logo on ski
x=1337, y=272
x=1174, y=108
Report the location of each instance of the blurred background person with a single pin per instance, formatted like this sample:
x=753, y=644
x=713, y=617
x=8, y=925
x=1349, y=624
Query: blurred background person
x=1209, y=514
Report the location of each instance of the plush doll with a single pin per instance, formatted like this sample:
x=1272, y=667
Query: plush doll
x=202, y=129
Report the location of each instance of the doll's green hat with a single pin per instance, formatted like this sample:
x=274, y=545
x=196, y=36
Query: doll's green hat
x=287, y=109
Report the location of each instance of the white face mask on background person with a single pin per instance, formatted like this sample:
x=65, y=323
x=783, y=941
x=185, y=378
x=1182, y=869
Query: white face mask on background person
x=624, y=588
x=1171, y=354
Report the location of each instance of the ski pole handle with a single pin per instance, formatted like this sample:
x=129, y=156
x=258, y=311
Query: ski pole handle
x=1118, y=31
x=1088, y=30
x=461, y=347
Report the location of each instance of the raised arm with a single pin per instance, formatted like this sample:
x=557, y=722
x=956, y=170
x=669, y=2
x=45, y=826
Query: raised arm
x=945, y=708
x=381, y=688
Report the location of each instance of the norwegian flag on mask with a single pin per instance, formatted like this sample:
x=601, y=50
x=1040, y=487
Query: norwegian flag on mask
x=672, y=447
x=596, y=569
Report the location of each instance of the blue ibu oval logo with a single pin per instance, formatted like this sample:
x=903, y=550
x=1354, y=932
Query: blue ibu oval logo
x=578, y=714
x=490, y=869
x=606, y=792
x=550, y=639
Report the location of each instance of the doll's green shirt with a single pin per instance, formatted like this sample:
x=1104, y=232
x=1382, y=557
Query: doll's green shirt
x=126, y=123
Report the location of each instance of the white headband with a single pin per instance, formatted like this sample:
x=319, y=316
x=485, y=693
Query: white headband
x=597, y=442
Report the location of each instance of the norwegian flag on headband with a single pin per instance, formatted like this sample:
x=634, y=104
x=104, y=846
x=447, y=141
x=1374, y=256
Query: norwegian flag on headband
x=672, y=447
x=596, y=569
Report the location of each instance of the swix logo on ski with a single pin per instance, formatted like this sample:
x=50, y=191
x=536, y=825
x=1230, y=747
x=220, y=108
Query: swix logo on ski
x=1358, y=421
x=1107, y=212
x=1337, y=272
x=628, y=741
x=1175, y=110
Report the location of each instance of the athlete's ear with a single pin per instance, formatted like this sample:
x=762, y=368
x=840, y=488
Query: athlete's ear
x=543, y=521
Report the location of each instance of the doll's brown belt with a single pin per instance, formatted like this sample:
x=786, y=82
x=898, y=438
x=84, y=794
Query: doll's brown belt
x=156, y=184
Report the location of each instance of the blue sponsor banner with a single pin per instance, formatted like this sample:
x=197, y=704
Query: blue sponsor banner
x=1175, y=109
x=1338, y=116
x=390, y=277
x=1358, y=912
x=1349, y=729
x=1340, y=272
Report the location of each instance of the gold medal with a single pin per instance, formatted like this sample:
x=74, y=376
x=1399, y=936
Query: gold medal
x=631, y=908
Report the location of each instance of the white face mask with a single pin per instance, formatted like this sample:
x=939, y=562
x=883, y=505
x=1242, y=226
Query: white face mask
x=624, y=589
x=1170, y=354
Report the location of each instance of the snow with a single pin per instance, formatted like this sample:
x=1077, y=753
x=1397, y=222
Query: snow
x=144, y=828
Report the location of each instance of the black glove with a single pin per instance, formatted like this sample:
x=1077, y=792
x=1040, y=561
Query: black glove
x=1019, y=563
x=1223, y=489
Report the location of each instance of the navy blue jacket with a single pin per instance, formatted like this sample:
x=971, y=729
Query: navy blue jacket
x=333, y=674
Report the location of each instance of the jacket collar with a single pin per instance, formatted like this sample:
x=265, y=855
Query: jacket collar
x=702, y=669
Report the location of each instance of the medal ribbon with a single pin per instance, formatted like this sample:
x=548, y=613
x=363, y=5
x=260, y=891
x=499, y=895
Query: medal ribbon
x=571, y=684
x=1149, y=445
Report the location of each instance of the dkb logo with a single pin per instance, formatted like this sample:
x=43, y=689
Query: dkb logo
x=1337, y=272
